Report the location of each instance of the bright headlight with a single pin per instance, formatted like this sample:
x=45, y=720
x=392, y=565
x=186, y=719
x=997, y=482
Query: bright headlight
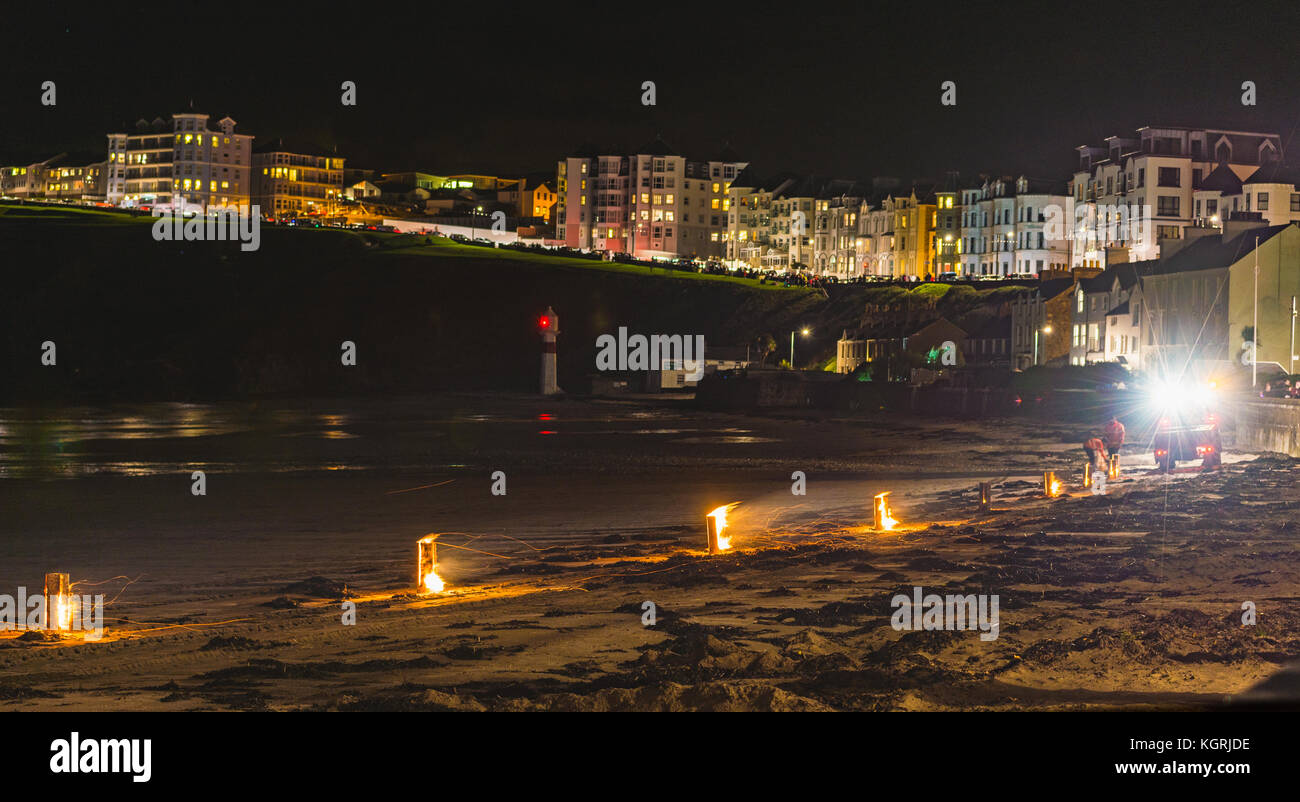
x=1180, y=395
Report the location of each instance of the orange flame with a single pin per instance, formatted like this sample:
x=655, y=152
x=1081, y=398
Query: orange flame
x=719, y=517
x=887, y=521
x=430, y=582
x=58, y=602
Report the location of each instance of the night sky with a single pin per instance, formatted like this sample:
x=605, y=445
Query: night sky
x=490, y=88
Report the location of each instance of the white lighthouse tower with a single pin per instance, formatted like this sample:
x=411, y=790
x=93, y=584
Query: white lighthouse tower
x=549, y=325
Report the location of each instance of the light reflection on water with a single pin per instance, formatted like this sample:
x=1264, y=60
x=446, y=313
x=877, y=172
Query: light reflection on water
x=311, y=435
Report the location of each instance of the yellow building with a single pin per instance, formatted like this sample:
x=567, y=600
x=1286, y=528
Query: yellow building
x=915, y=217
x=537, y=201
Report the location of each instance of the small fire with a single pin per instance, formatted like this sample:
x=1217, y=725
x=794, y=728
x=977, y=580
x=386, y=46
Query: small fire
x=426, y=562
x=1051, y=485
x=719, y=541
x=885, y=520
x=58, y=600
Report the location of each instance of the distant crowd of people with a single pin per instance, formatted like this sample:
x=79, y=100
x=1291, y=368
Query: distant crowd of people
x=1282, y=388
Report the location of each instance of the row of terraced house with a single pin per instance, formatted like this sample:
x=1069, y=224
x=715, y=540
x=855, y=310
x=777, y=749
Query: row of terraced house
x=1126, y=200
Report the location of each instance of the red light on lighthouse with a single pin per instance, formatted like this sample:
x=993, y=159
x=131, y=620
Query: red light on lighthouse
x=543, y=322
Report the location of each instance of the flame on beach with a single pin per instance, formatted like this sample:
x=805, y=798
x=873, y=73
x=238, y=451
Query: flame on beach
x=1051, y=485
x=58, y=601
x=883, y=512
x=719, y=517
x=430, y=582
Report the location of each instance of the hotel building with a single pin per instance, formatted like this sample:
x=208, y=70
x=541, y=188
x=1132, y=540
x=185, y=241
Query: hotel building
x=180, y=164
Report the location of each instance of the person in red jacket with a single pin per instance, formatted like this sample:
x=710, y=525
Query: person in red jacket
x=1114, y=436
x=1092, y=447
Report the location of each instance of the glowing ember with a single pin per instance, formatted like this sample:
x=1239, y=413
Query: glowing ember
x=427, y=578
x=58, y=602
x=885, y=521
x=715, y=524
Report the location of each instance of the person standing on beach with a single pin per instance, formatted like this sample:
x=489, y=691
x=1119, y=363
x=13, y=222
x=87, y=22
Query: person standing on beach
x=1114, y=436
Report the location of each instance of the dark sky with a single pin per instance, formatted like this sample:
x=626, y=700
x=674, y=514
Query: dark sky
x=490, y=88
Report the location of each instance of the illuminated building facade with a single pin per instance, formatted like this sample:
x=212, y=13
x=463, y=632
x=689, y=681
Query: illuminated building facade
x=180, y=164
x=1004, y=228
x=650, y=204
x=297, y=181
x=1161, y=168
x=86, y=182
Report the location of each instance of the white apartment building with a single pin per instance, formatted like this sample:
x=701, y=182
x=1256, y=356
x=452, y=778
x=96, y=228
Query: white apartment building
x=876, y=237
x=180, y=164
x=835, y=237
x=1272, y=192
x=1004, y=228
x=1160, y=168
x=748, y=237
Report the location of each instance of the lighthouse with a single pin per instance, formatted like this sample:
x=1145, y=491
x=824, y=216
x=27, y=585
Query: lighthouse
x=549, y=326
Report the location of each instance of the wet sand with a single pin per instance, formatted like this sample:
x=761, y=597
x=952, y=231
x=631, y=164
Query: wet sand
x=234, y=601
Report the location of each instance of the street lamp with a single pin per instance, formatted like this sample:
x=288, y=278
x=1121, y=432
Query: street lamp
x=804, y=332
x=1254, y=329
x=1291, y=369
x=1044, y=330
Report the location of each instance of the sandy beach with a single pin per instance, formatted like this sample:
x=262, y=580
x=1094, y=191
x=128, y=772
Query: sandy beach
x=1131, y=600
